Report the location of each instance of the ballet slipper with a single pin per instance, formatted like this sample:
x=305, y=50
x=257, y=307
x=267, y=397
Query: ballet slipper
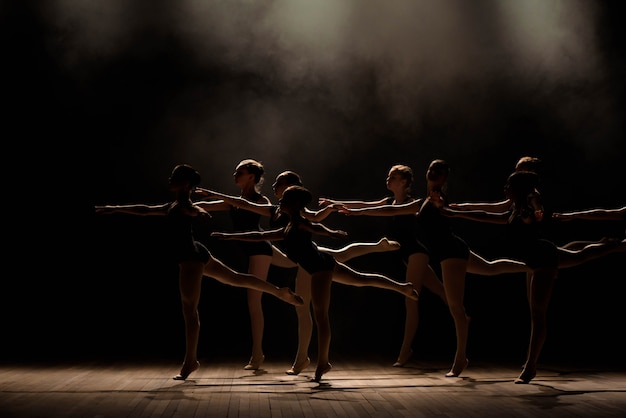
x=254, y=364
x=298, y=367
x=409, y=292
x=185, y=371
x=525, y=377
x=403, y=360
x=321, y=370
x=388, y=245
x=457, y=370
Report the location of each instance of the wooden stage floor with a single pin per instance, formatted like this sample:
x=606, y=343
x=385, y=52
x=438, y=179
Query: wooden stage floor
x=364, y=388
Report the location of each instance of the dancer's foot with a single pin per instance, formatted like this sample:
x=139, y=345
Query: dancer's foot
x=186, y=370
x=298, y=367
x=403, y=359
x=526, y=376
x=321, y=370
x=287, y=295
x=409, y=292
x=254, y=363
x=385, y=244
x=610, y=240
x=457, y=368
x=613, y=244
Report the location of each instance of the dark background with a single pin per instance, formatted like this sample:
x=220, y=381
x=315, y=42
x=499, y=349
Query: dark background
x=102, y=99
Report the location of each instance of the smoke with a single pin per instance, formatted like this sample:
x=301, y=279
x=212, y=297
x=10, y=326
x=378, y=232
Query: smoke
x=290, y=81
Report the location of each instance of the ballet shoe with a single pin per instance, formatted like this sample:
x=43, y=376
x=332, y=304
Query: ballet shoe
x=297, y=368
x=525, y=377
x=186, y=371
x=388, y=245
x=321, y=370
x=402, y=361
x=254, y=364
x=458, y=371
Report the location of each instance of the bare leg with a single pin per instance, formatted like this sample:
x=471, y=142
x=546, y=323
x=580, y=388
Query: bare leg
x=571, y=258
x=348, y=276
x=320, y=295
x=539, y=293
x=453, y=271
x=222, y=273
x=577, y=245
x=305, y=323
x=280, y=259
x=358, y=249
x=416, y=270
x=479, y=265
x=259, y=266
x=190, y=286
x=432, y=283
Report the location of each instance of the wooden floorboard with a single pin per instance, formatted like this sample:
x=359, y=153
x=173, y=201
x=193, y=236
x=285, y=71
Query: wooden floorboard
x=353, y=388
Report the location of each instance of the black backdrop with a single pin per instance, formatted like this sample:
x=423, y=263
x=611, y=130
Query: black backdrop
x=104, y=122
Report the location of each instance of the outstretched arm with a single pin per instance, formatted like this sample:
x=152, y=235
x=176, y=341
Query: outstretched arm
x=618, y=214
x=321, y=229
x=252, y=236
x=225, y=202
x=320, y=215
x=500, y=206
x=410, y=208
x=134, y=209
x=477, y=215
x=350, y=204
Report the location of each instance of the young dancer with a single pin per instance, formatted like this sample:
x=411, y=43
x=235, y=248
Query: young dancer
x=534, y=164
x=193, y=258
x=248, y=177
x=410, y=232
x=303, y=279
x=323, y=268
x=529, y=243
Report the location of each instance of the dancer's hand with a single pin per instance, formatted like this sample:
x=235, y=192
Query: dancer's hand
x=338, y=234
x=347, y=211
x=199, y=191
x=324, y=201
x=104, y=210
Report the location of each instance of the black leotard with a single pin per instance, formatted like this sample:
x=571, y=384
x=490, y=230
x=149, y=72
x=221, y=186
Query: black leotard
x=404, y=229
x=246, y=220
x=300, y=248
x=184, y=247
x=528, y=242
x=437, y=235
x=277, y=218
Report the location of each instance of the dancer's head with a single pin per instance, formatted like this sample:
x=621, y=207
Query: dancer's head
x=249, y=171
x=284, y=180
x=528, y=163
x=437, y=174
x=184, y=175
x=295, y=199
x=400, y=177
x=520, y=184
